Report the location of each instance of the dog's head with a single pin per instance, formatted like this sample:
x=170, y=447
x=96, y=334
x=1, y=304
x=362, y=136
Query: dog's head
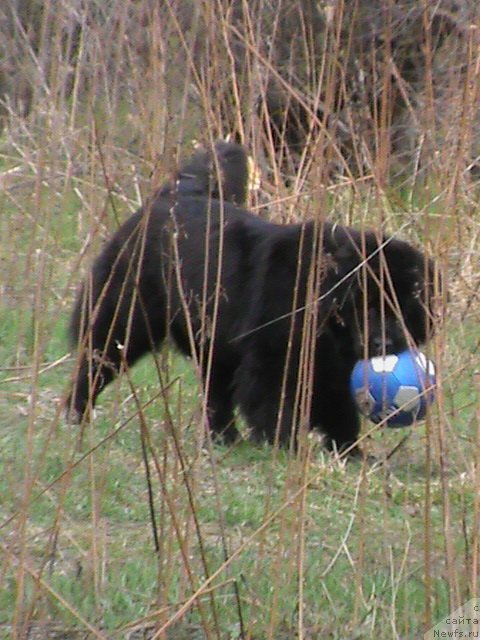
x=221, y=172
x=391, y=297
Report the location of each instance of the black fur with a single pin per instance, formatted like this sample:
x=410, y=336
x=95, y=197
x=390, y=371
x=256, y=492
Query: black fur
x=222, y=175
x=213, y=274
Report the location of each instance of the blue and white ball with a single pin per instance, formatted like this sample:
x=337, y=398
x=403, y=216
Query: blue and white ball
x=395, y=388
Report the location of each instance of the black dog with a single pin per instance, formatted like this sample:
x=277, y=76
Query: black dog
x=277, y=314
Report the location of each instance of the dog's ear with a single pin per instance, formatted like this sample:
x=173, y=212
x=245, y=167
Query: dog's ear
x=235, y=168
x=417, y=286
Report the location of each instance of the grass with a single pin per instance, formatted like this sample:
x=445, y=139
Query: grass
x=245, y=540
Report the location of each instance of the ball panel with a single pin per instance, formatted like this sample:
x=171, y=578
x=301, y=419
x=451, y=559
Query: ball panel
x=421, y=360
x=427, y=366
x=407, y=398
x=385, y=364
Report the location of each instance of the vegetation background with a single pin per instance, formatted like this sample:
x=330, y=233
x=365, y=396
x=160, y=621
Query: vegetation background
x=134, y=527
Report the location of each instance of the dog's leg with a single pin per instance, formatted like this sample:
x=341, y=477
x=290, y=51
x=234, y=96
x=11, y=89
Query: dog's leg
x=335, y=414
x=117, y=338
x=258, y=390
x=219, y=398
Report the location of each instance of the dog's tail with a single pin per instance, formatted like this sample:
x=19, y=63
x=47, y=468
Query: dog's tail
x=222, y=173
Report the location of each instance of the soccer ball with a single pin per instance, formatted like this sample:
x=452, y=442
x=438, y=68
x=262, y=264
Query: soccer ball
x=396, y=388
